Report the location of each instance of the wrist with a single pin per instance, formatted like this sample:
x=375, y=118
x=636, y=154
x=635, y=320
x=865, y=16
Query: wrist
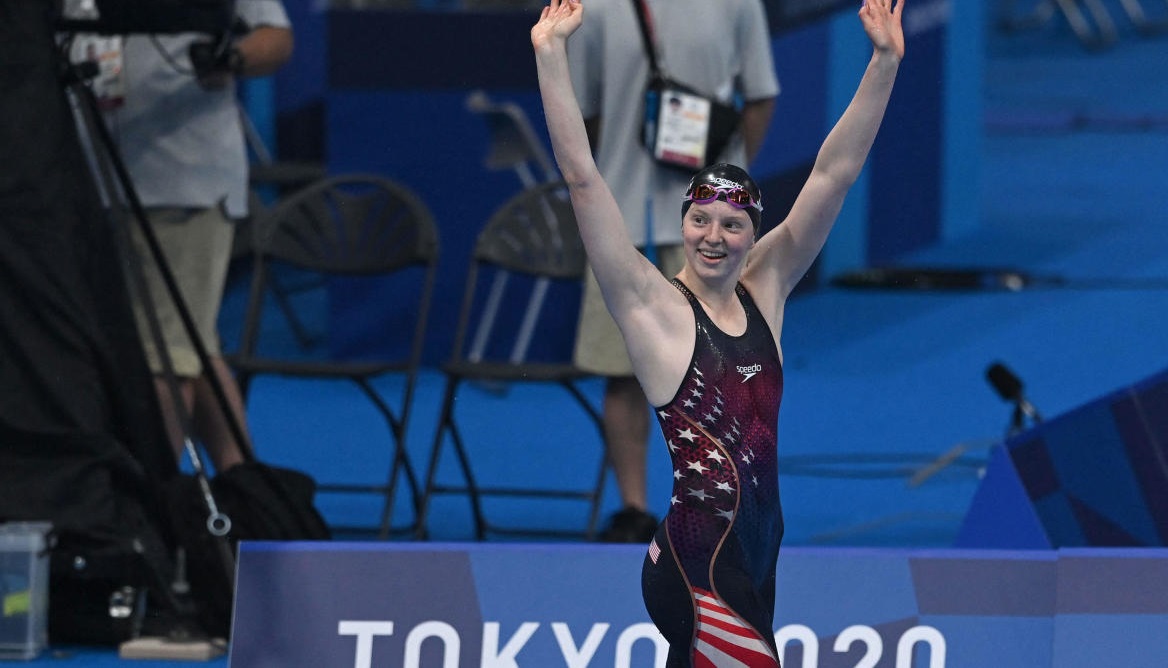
x=886, y=58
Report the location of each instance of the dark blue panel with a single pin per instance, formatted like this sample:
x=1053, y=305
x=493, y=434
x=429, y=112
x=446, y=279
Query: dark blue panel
x=1001, y=515
x=1099, y=529
x=1059, y=521
x=303, y=80
x=1094, y=471
x=799, y=122
x=905, y=166
x=1143, y=422
x=430, y=50
x=1034, y=465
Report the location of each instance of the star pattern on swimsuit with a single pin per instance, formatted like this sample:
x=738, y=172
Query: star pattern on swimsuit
x=706, y=477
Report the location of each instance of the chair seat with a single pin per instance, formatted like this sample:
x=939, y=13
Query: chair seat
x=523, y=371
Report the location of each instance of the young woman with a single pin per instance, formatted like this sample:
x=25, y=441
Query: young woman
x=705, y=347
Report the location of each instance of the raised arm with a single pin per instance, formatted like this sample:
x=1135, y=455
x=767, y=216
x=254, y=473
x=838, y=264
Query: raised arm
x=782, y=257
x=621, y=271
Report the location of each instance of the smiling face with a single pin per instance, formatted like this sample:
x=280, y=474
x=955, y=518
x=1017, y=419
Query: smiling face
x=717, y=238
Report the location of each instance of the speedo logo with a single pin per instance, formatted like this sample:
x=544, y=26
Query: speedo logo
x=749, y=371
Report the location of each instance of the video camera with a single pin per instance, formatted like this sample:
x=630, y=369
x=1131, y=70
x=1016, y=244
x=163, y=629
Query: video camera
x=216, y=18
x=121, y=17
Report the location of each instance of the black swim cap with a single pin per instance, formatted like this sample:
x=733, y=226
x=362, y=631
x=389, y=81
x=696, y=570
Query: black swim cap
x=726, y=175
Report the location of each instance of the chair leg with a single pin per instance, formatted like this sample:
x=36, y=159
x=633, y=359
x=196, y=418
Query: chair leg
x=401, y=461
x=472, y=488
x=446, y=424
x=598, y=488
x=421, y=531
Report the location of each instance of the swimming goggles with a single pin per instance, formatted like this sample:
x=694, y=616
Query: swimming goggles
x=736, y=196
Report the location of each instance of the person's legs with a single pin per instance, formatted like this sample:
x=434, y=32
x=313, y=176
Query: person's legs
x=197, y=247
x=169, y=409
x=211, y=425
x=626, y=426
x=600, y=349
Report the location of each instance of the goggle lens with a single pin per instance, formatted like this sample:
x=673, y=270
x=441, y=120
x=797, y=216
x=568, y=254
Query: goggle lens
x=739, y=198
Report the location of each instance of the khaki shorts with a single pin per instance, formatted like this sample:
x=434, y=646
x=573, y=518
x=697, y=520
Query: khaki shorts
x=197, y=246
x=600, y=348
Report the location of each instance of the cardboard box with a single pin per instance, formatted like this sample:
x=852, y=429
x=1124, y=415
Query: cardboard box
x=24, y=589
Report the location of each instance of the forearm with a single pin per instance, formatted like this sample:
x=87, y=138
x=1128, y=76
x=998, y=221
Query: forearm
x=264, y=50
x=618, y=267
x=846, y=148
x=565, y=123
x=756, y=120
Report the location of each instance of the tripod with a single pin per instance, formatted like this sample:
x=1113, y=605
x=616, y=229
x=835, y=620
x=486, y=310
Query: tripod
x=121, y=202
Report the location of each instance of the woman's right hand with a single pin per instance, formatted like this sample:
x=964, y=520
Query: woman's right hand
x=558, y=20
x=883, y=24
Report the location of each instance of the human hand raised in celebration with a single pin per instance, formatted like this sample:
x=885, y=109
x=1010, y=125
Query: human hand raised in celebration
x=557, y=21
x=883, y=25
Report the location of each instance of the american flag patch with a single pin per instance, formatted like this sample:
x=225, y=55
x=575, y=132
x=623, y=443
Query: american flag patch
x=654, y=551
x=724, y=640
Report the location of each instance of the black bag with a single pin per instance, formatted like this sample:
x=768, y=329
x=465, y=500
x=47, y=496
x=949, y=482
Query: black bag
x=681, y=126
x=263, y=503
x=105, y=589
x=110, y=559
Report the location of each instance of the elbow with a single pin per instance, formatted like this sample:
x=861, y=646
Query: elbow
x=282, y=45
x=580, y=177
x=266, y=50
x=840, y=176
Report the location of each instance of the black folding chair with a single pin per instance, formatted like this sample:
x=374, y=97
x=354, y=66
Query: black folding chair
x=350, y=227
x=532, y=238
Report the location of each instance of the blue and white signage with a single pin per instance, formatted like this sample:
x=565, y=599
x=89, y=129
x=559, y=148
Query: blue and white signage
x=418, y=605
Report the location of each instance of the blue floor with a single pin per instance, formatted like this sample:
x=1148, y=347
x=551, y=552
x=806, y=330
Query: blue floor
x=880, y=383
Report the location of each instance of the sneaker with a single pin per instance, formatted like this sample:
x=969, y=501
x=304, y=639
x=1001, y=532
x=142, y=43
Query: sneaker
x=631, y=525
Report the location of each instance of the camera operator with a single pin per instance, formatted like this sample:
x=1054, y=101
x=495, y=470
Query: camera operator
x=178, y=128
x=65, y=321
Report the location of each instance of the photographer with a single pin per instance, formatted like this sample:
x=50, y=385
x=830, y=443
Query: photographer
x=65, y=321
x=81, y=426
x=177, y=126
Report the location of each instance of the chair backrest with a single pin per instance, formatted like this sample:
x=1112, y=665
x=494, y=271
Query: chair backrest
x=350, y=225
x=528, y=244
x=534, y=233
